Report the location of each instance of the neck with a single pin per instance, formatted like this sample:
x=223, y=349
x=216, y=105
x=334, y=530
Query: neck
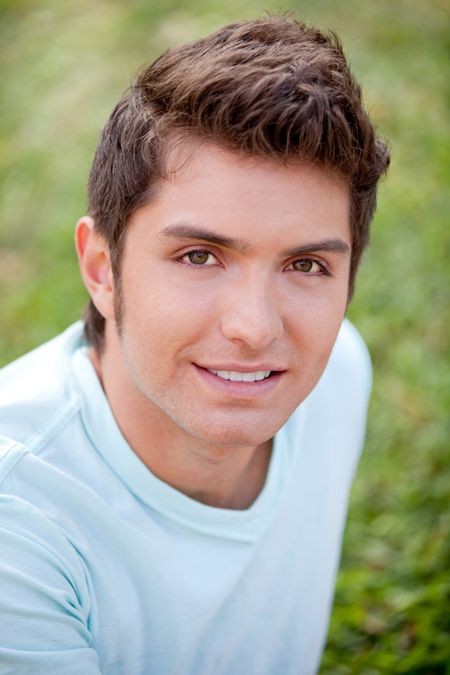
x=222, y=477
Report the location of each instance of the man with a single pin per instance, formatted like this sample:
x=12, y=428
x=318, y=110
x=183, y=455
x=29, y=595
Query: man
x=175, y=482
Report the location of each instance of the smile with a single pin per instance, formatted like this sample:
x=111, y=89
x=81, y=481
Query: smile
x=236, y=376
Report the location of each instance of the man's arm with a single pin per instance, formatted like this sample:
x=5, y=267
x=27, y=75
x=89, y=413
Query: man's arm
x=43, y=597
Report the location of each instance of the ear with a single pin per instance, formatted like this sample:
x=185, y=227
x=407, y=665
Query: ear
x=95, y=266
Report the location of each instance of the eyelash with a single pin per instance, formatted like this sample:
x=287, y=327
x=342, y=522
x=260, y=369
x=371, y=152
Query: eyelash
x=323, y=269
x=201, y=251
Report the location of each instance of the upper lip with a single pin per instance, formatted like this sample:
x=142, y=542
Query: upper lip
x=241, y=368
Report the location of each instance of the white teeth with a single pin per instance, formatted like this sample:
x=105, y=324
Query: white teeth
x=235, y=376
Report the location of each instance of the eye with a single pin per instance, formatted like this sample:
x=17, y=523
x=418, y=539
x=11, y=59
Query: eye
x=199, y=258
x=308, y=266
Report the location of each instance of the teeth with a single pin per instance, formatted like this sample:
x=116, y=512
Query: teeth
x=235, y=376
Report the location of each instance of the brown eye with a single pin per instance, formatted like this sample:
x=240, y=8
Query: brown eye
x=303, y=265
x=200, y=258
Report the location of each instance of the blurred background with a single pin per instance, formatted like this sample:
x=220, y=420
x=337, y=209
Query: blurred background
x=64, y=65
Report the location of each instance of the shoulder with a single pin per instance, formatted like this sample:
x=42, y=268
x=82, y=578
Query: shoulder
x=42, y=577
x=36, y=388
x=350, y=363
x=348, y=374
x=336, y=409
x=24, y=527
x=335, y=412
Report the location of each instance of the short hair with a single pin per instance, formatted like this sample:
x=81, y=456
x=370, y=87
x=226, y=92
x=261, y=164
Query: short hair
x=272, y=88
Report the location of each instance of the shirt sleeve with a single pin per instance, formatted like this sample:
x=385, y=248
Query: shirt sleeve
x=44, y=599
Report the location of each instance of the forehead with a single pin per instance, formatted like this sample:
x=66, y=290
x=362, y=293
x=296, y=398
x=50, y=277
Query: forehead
x=190, y=159
x=246, y=196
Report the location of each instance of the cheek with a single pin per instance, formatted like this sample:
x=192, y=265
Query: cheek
x=315, y=325
x=163, y=314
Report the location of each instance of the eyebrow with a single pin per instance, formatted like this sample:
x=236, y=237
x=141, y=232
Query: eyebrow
x=328, y=245
x=183, y=231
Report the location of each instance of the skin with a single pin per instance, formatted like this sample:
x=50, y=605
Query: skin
x=237, y=264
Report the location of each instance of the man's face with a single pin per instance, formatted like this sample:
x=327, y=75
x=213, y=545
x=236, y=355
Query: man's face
x=234, y=284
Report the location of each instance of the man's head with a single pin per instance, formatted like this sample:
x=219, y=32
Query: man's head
x=270, y=89
x=233, y=286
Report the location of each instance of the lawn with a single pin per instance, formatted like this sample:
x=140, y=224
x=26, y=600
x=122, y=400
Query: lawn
x=63, y=65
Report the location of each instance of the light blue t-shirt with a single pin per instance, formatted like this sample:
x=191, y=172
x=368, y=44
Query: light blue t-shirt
x=106, y=569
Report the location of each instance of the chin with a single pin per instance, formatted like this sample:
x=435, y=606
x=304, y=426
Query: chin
x=227, y=435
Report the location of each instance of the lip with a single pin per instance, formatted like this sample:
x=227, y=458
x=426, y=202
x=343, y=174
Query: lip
x=240, y=368
x=240, y=390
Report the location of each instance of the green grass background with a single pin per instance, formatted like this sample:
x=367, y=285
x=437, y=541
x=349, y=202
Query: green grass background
x=64, y=64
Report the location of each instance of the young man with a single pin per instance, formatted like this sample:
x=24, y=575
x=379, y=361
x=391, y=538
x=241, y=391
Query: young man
x=175, y=481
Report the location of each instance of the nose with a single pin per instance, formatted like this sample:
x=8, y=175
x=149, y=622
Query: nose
x=251, y=313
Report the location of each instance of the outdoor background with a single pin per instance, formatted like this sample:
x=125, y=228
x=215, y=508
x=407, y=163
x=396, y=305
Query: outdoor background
x=64, y=64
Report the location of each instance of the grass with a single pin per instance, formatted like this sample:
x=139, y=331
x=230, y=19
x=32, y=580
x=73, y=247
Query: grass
x=64, y=65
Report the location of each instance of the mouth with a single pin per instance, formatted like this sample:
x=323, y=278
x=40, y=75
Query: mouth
x=237, y=376
x=241, y=384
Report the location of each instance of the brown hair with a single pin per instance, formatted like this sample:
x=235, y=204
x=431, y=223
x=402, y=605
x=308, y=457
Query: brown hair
x=272, y=87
